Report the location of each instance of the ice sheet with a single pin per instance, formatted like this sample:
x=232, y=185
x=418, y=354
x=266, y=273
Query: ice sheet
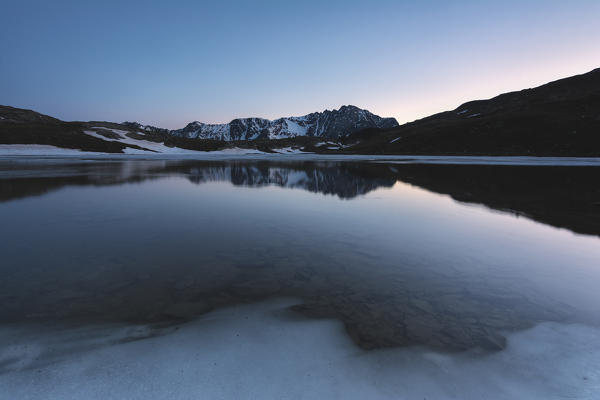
x=262, y=351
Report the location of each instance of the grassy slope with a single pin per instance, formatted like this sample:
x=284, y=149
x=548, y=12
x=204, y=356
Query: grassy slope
x=561, y=118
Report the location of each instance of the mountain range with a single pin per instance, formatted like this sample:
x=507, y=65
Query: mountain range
x=326, y=124
x=561, y=118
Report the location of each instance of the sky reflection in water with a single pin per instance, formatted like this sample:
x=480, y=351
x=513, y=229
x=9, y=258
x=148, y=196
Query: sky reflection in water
x=397, y=263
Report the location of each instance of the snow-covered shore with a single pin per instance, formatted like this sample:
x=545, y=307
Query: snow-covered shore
x=43, y=151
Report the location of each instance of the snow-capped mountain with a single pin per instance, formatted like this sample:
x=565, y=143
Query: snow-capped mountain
x=145, y=128
x=328, y=124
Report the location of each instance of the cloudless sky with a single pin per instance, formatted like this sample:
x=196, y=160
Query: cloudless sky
x=167, y=63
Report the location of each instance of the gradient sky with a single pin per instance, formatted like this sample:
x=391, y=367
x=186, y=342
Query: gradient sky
x=171, y=62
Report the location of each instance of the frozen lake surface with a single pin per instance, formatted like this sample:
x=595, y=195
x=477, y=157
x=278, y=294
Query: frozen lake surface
x=21, y=152
x=299, y=276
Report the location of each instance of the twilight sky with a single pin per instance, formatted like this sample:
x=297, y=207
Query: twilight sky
x=167, y=63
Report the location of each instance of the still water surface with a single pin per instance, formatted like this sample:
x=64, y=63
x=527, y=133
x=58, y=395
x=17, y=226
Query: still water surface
x=448, y=258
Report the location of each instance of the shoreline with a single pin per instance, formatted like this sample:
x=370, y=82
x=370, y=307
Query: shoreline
x=254, y=155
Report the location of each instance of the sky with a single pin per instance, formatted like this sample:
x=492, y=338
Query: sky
x=168, y=63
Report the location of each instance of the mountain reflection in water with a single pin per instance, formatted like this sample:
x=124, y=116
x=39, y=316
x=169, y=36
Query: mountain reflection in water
x=387, y=284
x=565, y=197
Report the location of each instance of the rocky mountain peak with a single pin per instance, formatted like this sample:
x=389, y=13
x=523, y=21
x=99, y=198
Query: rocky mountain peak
x=328, y=124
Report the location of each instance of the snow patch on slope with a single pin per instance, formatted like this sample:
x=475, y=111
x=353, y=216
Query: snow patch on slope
x=235, y=150
x=161, y=148
x=290, y=150
x=146, y=144
x=294, y=128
